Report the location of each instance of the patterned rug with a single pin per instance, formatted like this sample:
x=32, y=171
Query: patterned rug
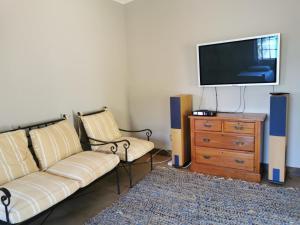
x=168, y=196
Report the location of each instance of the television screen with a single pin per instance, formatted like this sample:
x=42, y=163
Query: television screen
x=245, y=61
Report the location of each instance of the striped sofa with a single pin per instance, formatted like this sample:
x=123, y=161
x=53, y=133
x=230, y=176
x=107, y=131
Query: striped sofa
x=28, y=186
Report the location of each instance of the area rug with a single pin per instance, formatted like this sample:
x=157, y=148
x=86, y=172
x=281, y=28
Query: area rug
x=169, y=196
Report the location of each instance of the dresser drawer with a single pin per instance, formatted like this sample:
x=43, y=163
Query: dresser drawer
x=208, y=125
x=225, y=141
x=239, y=127
x=225, y=158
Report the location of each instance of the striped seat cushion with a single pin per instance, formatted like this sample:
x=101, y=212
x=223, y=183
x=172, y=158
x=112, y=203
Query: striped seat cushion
x=35, y=193
x=15, y=157
x=54, y=143
x=85, y=167
x=137, y=149
x=101, y=126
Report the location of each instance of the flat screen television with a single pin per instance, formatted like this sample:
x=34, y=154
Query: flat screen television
x=240, y=62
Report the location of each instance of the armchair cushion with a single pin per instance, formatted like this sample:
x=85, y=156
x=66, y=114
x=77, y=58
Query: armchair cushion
x=15, y=157
x=35, y=193
x=54, y=143
x=101, y=126
x=138, y=148
x=85, y=167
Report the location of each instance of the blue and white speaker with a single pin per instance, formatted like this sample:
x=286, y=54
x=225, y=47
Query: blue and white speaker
x=180, y=109
x=278, y=137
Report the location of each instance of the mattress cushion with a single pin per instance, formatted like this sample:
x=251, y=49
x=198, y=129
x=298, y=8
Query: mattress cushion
x=34, y=193
x=138, y=148
x=101, y=126
x=54, y=143
x=15, y=157
x=85, y=167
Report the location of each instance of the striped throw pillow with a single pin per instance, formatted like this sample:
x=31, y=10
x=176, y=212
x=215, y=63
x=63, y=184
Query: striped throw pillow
x=54, y=143
x=101, y=126
x=15, y=157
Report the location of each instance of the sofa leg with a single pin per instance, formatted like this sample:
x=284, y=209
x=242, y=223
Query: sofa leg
x=151, y=161
x=5, y=200
x=48, y=215
x=130, y=175
x=117, y=180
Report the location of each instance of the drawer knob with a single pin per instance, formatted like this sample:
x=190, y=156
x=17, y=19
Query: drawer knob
x=207, y=125
x=239, y=127
x=206, y=140
x=239, y=161
x=239, y=143
x=206, y=157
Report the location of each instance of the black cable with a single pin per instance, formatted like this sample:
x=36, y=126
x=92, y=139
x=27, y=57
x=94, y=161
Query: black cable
x=240, y=104
x=201, y=99
x=244, y=99
x=217, y=103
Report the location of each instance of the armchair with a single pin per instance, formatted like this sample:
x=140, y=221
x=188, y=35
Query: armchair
x=101, y=128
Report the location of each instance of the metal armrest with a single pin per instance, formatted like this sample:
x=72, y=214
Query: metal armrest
x=5, y=200
x=114, y=147
x=148, y=132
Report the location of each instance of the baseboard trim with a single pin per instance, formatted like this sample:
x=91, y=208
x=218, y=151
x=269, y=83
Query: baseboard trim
x=290, y=171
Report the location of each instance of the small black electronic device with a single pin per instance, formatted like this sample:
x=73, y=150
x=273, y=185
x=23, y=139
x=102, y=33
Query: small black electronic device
x=204, y=113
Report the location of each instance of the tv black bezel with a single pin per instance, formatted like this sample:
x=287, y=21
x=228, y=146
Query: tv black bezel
x=241, y=84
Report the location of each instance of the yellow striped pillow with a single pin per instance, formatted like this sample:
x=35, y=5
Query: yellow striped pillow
x=101, y=126
x=15, y=157
x=54, y=143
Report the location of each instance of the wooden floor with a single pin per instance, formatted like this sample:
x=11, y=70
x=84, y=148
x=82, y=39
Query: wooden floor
x=102, y=194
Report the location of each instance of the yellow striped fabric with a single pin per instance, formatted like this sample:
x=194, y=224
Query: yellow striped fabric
x=35, y=193
x=137, y=149
x=101, y=126
x=54, y=143
x=15, y=157
x=85, y=167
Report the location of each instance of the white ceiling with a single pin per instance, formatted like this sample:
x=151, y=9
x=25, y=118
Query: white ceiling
x=123, y=1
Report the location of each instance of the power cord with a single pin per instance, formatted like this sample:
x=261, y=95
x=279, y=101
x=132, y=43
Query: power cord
x=217, y=103
x=156, y=153
x=201, y=99
x=187, y=166
x=240, y=104
x=244, y=99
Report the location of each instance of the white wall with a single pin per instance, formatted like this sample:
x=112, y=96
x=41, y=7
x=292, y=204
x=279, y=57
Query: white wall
x=162, y=35
x=61, y=55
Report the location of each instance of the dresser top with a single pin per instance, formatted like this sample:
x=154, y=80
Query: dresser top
x=236, y=116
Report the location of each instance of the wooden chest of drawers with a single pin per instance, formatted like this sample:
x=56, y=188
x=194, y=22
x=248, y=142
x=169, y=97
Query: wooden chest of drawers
x=228, y=145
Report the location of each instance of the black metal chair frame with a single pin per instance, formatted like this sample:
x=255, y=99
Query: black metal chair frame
x=126, y=144
x=5, y=193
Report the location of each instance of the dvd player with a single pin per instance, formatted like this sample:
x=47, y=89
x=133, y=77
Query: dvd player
x=204, y=113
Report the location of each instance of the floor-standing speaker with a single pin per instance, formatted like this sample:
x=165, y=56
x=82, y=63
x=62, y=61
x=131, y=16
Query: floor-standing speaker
x=180, y=108
x=278, y=136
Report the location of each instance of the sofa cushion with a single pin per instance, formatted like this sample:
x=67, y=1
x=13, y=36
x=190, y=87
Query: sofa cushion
x=101, y=126
x=35, y=193
x=137, y=148
x=85, y=167
x=15, y=157
x=54, y=143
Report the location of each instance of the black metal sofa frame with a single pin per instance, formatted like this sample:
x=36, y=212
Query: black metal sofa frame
x=5, y=194
x=126, y=143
